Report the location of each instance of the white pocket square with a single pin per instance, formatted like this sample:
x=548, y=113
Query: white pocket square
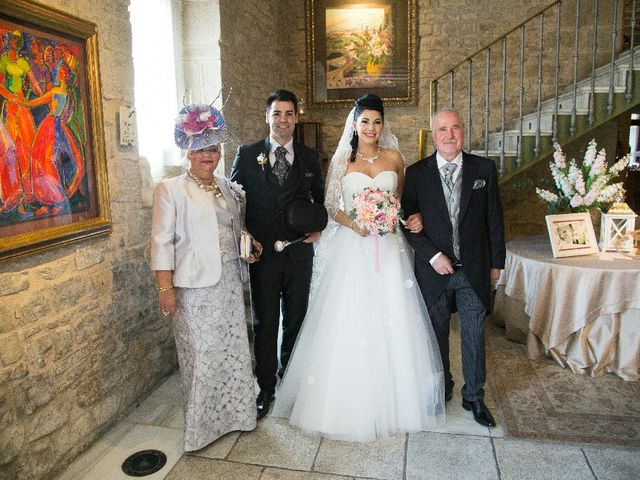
x=479, y=183
x=308, y=174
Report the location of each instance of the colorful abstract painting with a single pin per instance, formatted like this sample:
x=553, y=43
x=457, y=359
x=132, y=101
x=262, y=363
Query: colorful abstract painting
x=52, y=165
x=42, y=163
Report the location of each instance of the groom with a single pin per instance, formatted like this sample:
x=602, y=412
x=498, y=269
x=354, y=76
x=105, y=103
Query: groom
x=460, y=251
x=272, y=171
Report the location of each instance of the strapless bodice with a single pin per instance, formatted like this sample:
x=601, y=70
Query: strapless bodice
x=355, y=182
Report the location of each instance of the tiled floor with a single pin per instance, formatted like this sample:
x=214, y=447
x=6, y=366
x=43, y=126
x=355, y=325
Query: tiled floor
x=459, y=450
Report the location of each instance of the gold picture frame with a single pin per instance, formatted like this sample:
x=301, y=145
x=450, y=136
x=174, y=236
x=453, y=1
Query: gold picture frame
x=356, y=47
x=571, y=234
x=53, y=182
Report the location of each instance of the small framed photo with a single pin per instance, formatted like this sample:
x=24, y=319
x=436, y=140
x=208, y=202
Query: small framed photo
x=571, y=235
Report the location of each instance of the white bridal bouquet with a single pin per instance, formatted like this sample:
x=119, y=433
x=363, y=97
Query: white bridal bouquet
x=585, y=185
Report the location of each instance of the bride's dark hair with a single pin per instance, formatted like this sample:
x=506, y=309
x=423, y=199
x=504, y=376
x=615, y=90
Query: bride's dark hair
x=368, y=101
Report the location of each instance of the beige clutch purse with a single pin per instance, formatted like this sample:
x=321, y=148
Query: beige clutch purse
x=246, y=246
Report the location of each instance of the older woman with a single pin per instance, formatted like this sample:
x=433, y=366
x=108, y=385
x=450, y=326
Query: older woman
x=197, y=225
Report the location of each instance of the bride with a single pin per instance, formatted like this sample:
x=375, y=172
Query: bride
x=366, y=364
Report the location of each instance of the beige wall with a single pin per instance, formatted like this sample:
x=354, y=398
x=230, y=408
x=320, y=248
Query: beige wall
x=447, y=33
x=81, y=339
x=269, y=38
x=199, y=46
x=258, y=55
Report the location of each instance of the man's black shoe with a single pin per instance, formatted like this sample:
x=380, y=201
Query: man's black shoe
x=481, y=413
x=263, y=402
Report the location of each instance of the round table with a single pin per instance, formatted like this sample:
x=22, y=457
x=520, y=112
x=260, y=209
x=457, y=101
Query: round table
x=582, y=311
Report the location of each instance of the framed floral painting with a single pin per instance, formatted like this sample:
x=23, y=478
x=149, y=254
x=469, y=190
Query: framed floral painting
x=356, y=47
x=53, y=179
x=571, y=235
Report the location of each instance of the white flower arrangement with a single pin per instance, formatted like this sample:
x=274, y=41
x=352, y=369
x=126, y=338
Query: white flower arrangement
x=580, y=187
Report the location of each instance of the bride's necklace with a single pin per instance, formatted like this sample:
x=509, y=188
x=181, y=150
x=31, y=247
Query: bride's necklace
x=207, y=188
x=369, y=160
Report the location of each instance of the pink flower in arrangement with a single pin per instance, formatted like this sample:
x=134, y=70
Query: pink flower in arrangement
x=376, y=210
x=198, y=120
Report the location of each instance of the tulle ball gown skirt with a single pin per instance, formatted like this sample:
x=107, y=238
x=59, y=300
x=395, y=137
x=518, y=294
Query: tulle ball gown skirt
x=366, y=363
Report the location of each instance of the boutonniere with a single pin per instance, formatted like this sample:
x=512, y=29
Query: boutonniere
x=262, y=160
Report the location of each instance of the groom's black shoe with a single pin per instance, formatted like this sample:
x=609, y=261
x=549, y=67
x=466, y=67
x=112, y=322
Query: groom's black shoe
x=481, y=413
x=263, y=402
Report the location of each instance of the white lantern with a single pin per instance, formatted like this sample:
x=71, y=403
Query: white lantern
x=619, y=221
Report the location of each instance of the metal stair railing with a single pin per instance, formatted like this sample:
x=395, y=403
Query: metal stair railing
x=592, y=39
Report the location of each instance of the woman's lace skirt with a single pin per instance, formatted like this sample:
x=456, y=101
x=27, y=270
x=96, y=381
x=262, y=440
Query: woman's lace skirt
x=210, y=330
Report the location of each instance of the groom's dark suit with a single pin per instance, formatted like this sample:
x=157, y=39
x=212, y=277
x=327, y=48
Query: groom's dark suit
x=277, y=276
x=481, y=241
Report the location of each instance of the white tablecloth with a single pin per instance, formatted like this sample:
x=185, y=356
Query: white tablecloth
x=582, y=311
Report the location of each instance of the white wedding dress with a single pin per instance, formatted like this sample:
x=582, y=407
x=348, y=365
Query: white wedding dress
x=366, y=363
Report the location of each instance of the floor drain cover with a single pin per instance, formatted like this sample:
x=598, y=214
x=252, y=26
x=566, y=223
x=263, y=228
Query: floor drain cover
x=144, y=463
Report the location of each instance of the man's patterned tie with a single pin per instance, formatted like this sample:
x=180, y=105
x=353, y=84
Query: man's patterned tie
x=281, y=166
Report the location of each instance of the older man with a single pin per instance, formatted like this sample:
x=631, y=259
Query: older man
x=461, y=250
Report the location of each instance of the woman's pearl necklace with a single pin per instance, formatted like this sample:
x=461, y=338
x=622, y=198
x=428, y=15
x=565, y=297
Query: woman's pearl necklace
x=207, y=188
x=369, y=160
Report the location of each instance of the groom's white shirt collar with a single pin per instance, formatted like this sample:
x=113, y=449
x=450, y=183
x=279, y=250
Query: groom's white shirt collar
x=272, y=151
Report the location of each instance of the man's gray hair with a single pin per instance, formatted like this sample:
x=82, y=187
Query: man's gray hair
x=447, y=110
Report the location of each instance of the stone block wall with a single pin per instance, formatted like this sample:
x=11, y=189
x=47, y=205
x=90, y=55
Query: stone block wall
x=447, y=33
x=268, y=38
x=256, y=45
x=199, y=47
x=534, y=67
x=81, y=338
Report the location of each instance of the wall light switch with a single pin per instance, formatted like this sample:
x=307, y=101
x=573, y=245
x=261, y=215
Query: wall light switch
x=127, y=125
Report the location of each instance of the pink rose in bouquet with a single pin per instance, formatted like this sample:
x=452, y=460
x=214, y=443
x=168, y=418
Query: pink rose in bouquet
x=376, y=210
